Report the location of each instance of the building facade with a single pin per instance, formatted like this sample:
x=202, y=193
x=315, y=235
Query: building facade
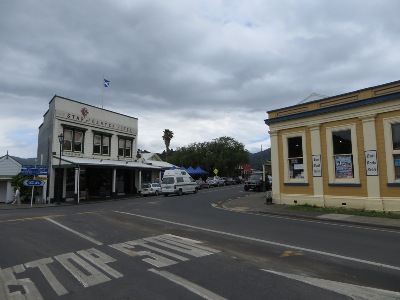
x=341, y=151
x=91, y=152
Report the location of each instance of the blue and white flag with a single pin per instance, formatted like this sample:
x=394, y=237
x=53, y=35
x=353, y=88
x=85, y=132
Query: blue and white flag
x=106, y=83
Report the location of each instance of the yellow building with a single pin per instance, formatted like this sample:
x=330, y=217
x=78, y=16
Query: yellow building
x=341, y=151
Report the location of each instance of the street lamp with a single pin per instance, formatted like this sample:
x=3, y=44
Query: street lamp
x=61, y=140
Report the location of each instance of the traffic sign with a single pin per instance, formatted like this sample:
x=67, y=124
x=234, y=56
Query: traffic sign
x=34, y=170
x=32, y=182
x=41, y=178
x=216, y=171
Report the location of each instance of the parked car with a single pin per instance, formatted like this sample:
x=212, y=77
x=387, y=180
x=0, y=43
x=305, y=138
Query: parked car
x=211, y=182
x=219, y=180
x=202, y=184
x=151, y=189
x=178, y=182
x=229, y=181
x=239, y=180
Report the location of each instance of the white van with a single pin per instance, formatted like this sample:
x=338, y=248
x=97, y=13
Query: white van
x=178, y=182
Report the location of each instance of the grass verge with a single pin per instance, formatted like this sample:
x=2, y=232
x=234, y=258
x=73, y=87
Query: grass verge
x=345, y=211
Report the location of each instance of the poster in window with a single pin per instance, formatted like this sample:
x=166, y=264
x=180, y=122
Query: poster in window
x=344, y=166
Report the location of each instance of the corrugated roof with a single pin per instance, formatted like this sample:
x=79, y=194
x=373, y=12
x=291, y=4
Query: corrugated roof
x=66, y=160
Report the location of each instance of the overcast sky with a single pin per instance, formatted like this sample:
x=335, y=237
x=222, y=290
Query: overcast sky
x=201, y=68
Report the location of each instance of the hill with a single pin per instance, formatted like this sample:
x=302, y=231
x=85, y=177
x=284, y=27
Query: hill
x=256, y=159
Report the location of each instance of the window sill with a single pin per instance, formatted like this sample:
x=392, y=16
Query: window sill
x=345, y=184
x=393, y=184
x=296, y=184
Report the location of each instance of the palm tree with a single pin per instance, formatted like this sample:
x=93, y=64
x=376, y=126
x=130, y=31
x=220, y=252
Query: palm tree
x=167, y=137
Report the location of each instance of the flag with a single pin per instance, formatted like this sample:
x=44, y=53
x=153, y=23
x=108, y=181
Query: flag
x=106, y=83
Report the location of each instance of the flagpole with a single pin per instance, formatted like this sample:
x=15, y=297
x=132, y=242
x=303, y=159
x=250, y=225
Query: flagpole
x=102, y=91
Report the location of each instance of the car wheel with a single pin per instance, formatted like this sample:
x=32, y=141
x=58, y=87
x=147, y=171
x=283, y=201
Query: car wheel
x=157, y=193
x=246, y=188
x=196, y=190
x=180, y=193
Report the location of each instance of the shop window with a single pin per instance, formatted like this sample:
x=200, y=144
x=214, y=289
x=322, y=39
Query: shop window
x=125, y=147
x=295, y=157
x=295, y=163
x=101, y=144
x=392, y=144
x=342, y=155
x=73, y=140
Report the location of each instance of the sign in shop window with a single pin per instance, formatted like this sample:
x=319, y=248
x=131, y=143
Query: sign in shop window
x=371, y=163
x=317, y=169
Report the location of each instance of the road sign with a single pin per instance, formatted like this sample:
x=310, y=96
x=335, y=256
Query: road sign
x=216, y=171
x=41, y=178
x=34, y=170
x=32, y=182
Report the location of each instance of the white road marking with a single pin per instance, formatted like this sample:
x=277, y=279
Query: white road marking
x=349, y=290
x=268, y=242
x=267, y=215
x=76, y=232
x=194, y=288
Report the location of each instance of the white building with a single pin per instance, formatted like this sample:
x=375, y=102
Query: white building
x=9, y=167
x=97, y=155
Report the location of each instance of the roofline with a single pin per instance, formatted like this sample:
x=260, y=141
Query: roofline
x=331, y=109
x=331, y=97
x=61, y=97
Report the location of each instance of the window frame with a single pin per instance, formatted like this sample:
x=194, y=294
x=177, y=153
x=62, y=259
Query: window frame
x=125, y=140
x=387, y=128
x=73, y=142
x=331, y=156
x=287, y=179
x=102, y=136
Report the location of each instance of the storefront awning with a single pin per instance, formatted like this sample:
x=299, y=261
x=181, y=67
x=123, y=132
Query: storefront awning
x=67, y=161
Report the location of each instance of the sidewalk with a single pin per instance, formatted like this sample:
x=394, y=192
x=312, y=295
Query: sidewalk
x=255, y=203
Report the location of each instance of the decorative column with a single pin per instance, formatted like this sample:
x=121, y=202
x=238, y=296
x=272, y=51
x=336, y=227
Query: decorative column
x=374, y=201
x=114, y=182
x=276, y=190
x=315, y=132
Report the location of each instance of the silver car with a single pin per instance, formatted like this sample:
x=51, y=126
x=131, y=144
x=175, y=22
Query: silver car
x=151, y=189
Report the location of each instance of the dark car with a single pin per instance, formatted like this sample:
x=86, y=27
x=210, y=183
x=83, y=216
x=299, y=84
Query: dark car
x=229, y=181
x=256, y=183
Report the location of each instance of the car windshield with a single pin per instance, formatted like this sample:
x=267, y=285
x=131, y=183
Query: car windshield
x=146, y=185
x=168, y=180
x=255, y=177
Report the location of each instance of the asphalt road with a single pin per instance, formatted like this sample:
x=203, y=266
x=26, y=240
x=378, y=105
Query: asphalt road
x=183, y=248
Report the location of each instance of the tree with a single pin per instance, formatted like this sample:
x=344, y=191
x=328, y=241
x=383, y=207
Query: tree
x=224, y=153
x=167, y=137
x=17, y=181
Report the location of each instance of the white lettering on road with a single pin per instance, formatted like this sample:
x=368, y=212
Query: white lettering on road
x=95, y=276
x=169, y=241
x=30, y=290
x=346, y=289
x=100, y=260
x=194, y=288
x=53, y=281
x=268, y=242
x=88, y=275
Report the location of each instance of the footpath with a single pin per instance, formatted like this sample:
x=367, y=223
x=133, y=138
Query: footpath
x=256, y=203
